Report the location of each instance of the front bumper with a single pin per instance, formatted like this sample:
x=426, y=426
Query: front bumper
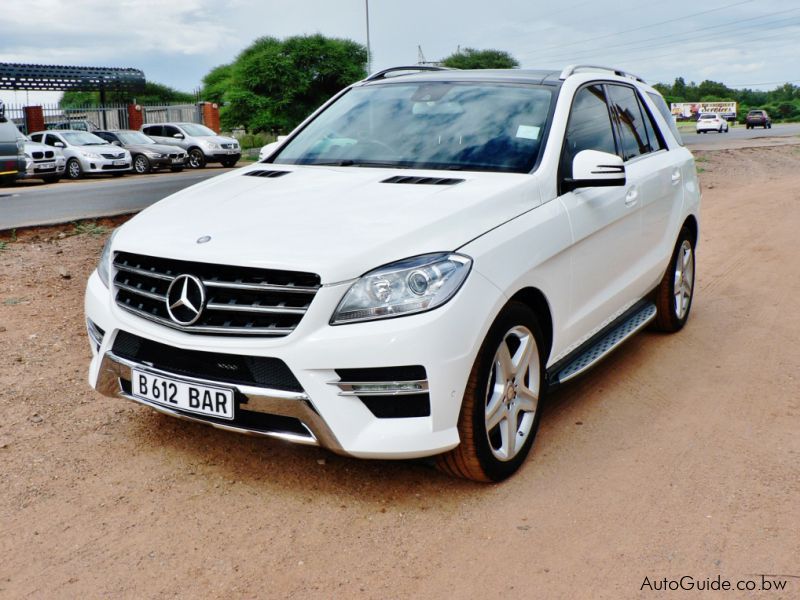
x=330, y=416
x=105, y=165
x=220, y=155
x=35, y=170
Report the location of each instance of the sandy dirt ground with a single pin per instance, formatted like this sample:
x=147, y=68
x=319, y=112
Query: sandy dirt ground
x=677, y=456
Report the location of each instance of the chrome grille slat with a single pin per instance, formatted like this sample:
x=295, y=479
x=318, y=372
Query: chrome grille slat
x=240, y=300
x=260, y=287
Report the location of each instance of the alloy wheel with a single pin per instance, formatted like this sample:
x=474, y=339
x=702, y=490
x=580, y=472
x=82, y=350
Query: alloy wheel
x=512, y=394
x=684, y=279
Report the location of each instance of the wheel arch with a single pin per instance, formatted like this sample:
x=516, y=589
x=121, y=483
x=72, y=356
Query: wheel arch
x=691, y=224
x=535, y=299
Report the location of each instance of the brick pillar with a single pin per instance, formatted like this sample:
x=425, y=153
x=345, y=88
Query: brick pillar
x=135, y=116
x=34, y=118
x=211, y=115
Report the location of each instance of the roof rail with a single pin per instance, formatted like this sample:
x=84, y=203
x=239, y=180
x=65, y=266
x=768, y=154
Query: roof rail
x=572, y=69
x=382, y=74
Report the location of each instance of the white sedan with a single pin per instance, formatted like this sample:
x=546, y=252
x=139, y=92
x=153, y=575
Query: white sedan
x=711, y=122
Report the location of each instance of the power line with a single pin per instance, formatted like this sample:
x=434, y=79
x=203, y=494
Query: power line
x=681, y=18
x=682, y=36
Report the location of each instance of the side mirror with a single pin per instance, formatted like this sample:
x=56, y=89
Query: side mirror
x=178, y=136
x=116, y=143
x=591, y=168
x=267, y=150
x=59, y=145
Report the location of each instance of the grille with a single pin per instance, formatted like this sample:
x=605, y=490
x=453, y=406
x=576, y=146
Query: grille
x=229, y=146
x=422, y=180
x=239, y=300
x=112, y=156
x=38, y=155
x=214, y=366
x=49, y=154
x=114, y=167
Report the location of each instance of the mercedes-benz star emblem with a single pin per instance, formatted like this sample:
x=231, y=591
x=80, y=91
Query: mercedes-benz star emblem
x=186, y=299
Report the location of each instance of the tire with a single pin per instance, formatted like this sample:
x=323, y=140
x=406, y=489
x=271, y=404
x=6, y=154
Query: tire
x=176, y=169
x=673, y=309
x=484, y=453
x=197, y=160
x=141, y=164
x=74, y=169
x=229, y=163
x=52, y=179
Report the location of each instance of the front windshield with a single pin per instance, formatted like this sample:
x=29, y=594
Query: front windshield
x=454, y=126
x=82, y=138
x=134, y=137
x=195, y=129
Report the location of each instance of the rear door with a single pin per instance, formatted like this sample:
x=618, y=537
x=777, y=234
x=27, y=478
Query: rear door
x=605, y=223
x=654, y=176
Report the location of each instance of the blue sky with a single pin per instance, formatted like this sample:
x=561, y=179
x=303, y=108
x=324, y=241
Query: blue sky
x=739, y=42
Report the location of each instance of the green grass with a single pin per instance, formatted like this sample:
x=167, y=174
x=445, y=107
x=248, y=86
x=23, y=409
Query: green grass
x=700, y=159
x=3, y=246
x=89, y=228
x=701, y=170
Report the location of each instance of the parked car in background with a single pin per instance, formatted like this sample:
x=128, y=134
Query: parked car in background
x=202, y=144
x=86, y=153
x=711, y=122
x=412, y=271
x=758, y=118
x=41, y=161
x=72, y=125
x=12, y=157
x=146, y=154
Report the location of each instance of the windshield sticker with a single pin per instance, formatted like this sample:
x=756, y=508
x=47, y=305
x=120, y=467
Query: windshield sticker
x=528, y=132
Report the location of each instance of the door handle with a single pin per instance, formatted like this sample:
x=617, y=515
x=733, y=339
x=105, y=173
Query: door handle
x=676, y=176
x=632, y=196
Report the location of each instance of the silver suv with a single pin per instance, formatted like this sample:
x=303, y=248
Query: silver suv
x=201, y=143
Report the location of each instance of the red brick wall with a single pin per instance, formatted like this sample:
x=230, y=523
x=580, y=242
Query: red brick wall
x=211, y=116
x=135, y=119
x=34, y=119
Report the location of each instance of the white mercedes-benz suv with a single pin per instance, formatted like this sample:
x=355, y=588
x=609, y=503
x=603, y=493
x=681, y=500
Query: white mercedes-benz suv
x=412, y=269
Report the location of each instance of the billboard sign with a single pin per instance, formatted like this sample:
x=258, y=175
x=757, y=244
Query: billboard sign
x=689, y=110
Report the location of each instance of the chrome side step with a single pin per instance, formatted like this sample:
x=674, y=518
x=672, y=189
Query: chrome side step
x=600, y=348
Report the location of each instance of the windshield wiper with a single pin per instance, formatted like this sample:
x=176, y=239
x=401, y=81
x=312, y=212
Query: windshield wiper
x=357, y=163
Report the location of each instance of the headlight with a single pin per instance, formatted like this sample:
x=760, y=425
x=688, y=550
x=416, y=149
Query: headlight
x=104, y=266
x=210, y=145
x=153, y=154
x=89, y=154
x=409, y=286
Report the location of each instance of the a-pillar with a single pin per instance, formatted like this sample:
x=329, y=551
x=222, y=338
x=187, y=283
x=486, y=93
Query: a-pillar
x=135, y=116
x=34, y=119
x=211, y=115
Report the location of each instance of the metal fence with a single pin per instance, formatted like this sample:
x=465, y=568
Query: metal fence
x=109, y=116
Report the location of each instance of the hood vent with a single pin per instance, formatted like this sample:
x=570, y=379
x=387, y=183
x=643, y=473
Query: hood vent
x=269, y=174
x=422, y=180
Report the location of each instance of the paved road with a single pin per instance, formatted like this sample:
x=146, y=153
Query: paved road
x=31, y=203
x=739, y=136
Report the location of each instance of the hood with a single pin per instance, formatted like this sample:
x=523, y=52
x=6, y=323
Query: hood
x=219, y=139
x=102, y=148
x=160, y=148
x=338, y=222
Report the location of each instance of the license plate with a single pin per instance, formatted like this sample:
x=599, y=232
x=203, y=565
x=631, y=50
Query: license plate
x=177, y=160
x=232, y=151
x=43, y=166
x=119, y=163
x=174, y=393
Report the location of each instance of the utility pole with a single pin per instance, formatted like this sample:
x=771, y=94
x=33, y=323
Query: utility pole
x=369, y=49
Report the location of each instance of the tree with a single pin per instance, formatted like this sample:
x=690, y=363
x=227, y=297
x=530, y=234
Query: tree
x=470, y=58
x=216, y=83
x=274, y=84
x=154, y=93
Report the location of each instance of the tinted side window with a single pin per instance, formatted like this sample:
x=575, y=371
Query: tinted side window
x=109, y=137
x=51, y=140
x=169, y=131
x=633, y=134
x=153, y=129
x=662, y=107
x=589, y=126
x=37, y=137
x=653, y=133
